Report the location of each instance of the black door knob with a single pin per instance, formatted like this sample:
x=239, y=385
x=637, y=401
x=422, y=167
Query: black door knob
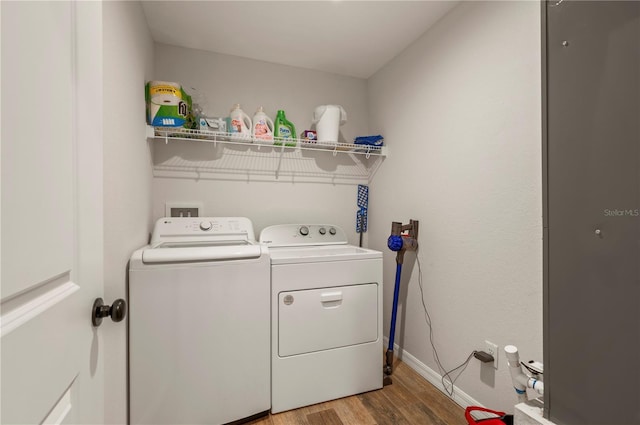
x=117, y=311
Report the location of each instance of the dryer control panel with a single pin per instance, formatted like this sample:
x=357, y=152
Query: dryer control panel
x=302, y=234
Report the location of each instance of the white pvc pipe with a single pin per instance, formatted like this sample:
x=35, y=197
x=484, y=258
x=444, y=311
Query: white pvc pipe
x=520, y=381
x=536, y=385
x=518, y=378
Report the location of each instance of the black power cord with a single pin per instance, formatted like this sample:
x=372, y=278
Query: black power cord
x=445, y=374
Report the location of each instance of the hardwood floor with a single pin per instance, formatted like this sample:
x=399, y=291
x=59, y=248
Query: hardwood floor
x=408, y=399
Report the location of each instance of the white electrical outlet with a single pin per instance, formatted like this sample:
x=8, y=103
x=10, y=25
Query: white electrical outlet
x=491, y=348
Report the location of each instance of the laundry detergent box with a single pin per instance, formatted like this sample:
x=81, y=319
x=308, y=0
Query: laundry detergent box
x=168, y=105
x=217, y=124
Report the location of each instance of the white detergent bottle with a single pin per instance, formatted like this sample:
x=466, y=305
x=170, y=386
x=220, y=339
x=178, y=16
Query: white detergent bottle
x=239, y=124
x=262, y=131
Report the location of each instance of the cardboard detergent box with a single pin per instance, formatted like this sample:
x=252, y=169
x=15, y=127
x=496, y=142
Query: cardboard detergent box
x=168, y=105
x=217, y=124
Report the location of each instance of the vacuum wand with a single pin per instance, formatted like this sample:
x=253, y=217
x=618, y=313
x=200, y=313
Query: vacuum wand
x=399, y=243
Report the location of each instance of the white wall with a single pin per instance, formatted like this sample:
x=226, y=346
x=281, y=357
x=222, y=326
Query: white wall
x=128, y=63
x=460, y=111
x=224, y=80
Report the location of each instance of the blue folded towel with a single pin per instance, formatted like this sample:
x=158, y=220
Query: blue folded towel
x=369, y=140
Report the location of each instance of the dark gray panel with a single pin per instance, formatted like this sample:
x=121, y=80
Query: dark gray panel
x=592, y=311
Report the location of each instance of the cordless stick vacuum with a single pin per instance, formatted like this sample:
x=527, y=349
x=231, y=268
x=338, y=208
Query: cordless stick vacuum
x=399, y=243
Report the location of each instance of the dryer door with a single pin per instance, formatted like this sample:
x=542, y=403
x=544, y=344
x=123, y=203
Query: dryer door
x=322, y=319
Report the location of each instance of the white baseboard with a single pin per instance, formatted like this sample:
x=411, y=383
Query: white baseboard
x=459, y=396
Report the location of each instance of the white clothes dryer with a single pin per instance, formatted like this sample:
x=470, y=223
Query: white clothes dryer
x=326, y=308
x=199, y=323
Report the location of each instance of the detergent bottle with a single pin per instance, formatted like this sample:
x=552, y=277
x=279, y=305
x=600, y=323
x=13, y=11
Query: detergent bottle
x=239, y=123
x=262, y=127
x=284, y=130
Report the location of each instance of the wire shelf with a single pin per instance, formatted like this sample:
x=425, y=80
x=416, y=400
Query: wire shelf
x=250, y=158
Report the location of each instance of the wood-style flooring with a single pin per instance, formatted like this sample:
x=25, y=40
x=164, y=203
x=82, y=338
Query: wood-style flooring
x=406, y=399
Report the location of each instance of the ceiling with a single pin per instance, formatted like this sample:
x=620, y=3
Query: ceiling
x=354, y=38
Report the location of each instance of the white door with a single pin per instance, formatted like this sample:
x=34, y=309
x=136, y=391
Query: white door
x=51, y=268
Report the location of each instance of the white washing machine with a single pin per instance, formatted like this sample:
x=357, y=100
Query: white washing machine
x=326, y=308
x=199, y=323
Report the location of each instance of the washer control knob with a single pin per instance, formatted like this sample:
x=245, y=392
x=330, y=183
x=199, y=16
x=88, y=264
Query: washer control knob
x=205, y=225
x=304, y=230
x=332, y=231
x=322, y=230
